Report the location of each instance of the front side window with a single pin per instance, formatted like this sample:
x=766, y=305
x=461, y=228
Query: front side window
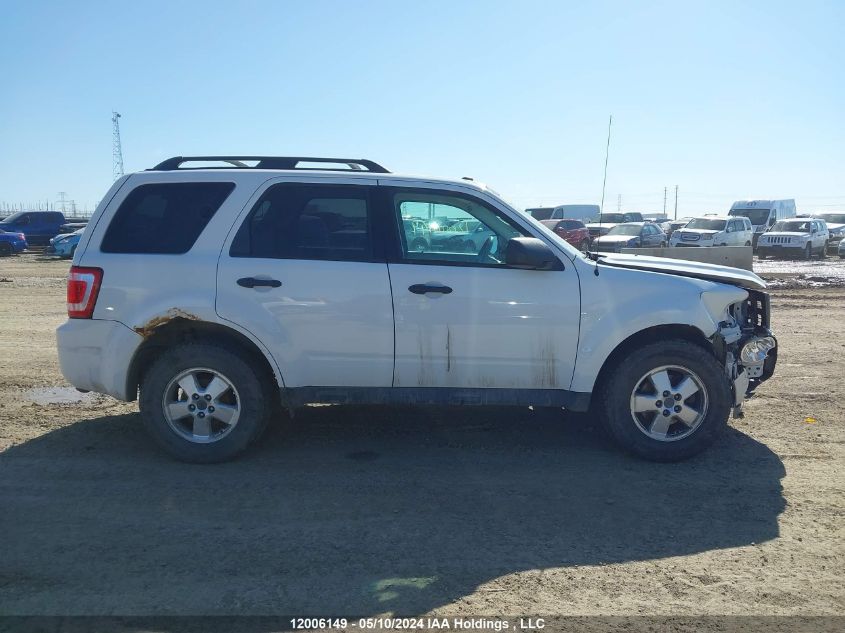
x=458, y=228
x=164, y=218
x=305, y=221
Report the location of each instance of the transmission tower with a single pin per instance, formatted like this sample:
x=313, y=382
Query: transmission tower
x=116, y=151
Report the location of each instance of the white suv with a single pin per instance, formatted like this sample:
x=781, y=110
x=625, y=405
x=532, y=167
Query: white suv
x=226, y=295
x=714, y=231
x=796, y=236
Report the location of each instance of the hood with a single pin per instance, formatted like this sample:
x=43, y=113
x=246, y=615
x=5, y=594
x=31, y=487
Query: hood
x=697, y=231
x=683, y=268
x=612, y=239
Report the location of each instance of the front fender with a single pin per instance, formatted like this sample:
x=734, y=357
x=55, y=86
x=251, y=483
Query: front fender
x=619, y=303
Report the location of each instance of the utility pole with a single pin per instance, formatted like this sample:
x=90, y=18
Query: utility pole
x=116, y=150
x=62, y=197
x=676, y=202
x=606, y=156
x=665, y=191
x=619, y=203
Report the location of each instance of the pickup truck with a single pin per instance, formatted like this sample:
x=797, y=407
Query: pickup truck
x=38, y=226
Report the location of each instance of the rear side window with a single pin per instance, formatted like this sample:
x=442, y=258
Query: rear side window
x=164, y=218
x=293, y=221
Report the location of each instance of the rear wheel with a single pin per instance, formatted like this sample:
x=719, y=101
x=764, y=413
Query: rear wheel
x=203, y=403
x=666, y=401
x=5, y=249
x=823, y=254
x=748, y=243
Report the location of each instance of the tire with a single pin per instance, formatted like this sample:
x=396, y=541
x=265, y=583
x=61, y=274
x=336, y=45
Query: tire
x=5, y=249
x=627, y=387
x=248, y=399
x=808, y=252
x=419, y=245
x=823, y=253
x=662, y=244
x=748, y=243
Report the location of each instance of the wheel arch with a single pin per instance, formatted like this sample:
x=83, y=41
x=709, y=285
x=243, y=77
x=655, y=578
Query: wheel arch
x=182, y=330
x=645, y=337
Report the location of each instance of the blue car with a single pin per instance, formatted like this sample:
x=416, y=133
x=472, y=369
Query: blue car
x=64, y=245
x=11, y=243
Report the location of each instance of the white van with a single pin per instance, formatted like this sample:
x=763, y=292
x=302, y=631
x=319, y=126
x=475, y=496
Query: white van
x=763, y=213
x=585, y=212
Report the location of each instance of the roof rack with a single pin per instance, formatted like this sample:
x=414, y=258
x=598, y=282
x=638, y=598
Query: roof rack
x=272, y=162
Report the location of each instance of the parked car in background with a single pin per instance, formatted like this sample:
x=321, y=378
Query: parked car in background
x=573, y=231
x=671, y=226
x=11, y=243
x=583, y=212
x=763, y=214
x=835, y=221
x=841, y=250
x=64, y=245
x=38, y=226
x=607, y=221
x=417, y=233
x=629, y=235
x=802, y=237
x=714, y=231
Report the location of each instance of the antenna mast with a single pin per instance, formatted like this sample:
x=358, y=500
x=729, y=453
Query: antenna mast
x=606, y=156
x=116, y=150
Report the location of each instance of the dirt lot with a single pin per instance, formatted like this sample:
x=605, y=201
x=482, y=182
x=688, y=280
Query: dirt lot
x=453, y=511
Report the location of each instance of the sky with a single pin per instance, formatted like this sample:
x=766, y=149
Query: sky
x=726, y=100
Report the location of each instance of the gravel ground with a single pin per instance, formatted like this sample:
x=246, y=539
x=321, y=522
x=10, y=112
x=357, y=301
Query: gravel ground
x=448, y=511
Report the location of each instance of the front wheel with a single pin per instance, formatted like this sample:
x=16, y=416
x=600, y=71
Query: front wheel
x=808, y=251
x=204, y=403
x=666, y=401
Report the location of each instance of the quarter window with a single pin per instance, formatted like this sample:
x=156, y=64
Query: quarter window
x=293, y=221
x=164, y=218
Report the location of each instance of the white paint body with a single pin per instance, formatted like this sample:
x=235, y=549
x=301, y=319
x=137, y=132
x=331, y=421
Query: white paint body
x=354, y=324
x=735, y=232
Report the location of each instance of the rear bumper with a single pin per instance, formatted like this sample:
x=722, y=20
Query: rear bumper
x=95, y=355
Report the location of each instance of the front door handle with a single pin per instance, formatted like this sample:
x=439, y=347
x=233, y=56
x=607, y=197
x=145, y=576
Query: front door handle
x=252, y=282
x=421, y=289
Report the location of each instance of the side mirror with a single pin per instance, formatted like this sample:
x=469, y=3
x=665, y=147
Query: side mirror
x=531, y=253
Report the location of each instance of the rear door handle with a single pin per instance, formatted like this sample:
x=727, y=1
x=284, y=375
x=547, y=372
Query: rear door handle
x=252, y=282
x=421, y=289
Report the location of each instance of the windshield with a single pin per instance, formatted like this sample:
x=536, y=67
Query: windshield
x=625, y=229
x=757, y=216
x=706, y=224
x=543, y=213
x=833, y=218
x=611, y=218
x=13, y=218
x=792, y=227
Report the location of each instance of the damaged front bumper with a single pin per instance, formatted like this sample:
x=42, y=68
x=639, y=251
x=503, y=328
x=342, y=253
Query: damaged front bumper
x=748, y=347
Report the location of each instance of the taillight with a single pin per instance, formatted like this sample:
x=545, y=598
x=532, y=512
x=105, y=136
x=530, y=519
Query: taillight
x=83, y=286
